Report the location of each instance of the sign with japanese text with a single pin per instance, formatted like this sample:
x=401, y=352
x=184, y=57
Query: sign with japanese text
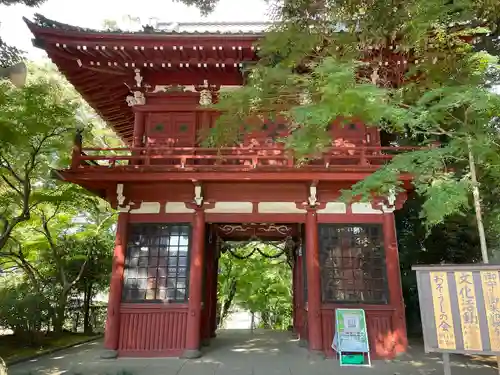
x=460, y=308
x=491, y=290
x=442, y=311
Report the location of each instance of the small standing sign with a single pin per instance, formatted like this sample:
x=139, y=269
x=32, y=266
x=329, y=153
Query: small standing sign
x=351, y=337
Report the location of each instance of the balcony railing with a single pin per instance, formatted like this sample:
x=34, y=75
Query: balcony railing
x=230, y=158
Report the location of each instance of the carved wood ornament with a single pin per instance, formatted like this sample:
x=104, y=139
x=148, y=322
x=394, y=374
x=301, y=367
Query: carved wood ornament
x=198, y=197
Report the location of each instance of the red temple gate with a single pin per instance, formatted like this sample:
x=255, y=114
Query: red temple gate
x=174, y=196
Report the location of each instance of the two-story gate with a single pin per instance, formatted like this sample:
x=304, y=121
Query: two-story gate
x=173, y=195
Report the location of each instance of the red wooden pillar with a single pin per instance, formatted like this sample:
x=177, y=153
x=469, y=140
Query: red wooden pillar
x=138, y=128
x=315, y=334
x=213, y=306
x=195, y=287
x=208, y=290
x=394, y=282
x=139, y=124
x=112, y=332
x=299, y=299
x=294, y=297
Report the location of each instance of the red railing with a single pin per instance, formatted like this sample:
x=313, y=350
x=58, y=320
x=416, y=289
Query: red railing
x=230, y=158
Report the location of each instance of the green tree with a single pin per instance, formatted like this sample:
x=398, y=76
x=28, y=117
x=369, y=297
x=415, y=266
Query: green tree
x=75, y=239
x=36, y=123
x=442, y=97
x=55, y=237
x=36, y=127
x=256, y=283
x=226, y=287
x=265, y=288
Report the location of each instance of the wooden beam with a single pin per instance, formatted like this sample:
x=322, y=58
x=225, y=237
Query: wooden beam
x=115, y=174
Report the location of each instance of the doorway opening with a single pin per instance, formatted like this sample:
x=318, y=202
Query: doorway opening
x=256, y=286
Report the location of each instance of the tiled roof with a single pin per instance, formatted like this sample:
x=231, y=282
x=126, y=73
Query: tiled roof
x=167, y=28
x=214, y=27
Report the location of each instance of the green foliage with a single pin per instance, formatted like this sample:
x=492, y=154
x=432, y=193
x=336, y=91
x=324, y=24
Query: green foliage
x=445, y=97
x=22, y=309
x=454, y=241
x=262, y=286
x=57, y=238
x=36, y=124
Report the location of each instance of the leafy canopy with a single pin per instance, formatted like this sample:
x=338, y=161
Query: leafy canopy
x=408, y=68
x=36, y=127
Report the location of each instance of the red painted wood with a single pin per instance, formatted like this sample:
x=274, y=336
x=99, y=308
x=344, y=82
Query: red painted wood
x=113, y=321
x=89, y=177
x=350, y=218
x=299, y=296
x=149, y=329
x=244, y=231
x=139, y=120
x=195, y=282
x=170, y=101
x=207, y=287
x=294, y=298
x=213, y=305
x=169, y=130
x=173, y=149
x=305, y=325
x=313, y=282
x=161, y=218
x=214, y=76
x=379, y=326
x=255, y=191
x=160, y=191
x=256, y=218
x=394, y=282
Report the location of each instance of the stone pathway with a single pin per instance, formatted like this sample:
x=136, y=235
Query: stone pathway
x=239, y=352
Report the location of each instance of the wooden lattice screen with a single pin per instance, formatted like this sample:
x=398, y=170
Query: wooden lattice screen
x=156, y=264
x=352, y=262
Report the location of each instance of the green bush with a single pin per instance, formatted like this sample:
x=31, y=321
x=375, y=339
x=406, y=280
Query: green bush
x=23, y=309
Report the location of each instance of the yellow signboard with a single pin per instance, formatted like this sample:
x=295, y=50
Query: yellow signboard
x=442, y=310
x=491, y=293
x=467, y=305
x=460, y=308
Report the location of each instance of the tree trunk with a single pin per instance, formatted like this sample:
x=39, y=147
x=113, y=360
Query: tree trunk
x=87, y=299
x=60, y=310
x=477, y=206
x=228, y=301
x=479, y=215
x=264, y=315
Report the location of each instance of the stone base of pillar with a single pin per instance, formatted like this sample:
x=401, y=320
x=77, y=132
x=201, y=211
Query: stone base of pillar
x=316, y=355
x=303, y=343
x=213, y=335
x=109, y=354
x=205, y=342
x=191, y=354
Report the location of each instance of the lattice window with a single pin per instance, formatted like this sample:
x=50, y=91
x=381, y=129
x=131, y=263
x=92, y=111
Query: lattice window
x=352, y=262
x=156, y=264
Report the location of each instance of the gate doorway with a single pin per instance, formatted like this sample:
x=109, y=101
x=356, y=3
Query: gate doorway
x=255, y=294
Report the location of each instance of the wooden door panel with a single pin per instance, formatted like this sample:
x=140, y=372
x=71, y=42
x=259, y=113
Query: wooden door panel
x=174, y=129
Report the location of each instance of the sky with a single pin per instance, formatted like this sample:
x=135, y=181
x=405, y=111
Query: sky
x=92, y=13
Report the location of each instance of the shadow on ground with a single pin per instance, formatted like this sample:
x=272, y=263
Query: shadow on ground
x=241, y=352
